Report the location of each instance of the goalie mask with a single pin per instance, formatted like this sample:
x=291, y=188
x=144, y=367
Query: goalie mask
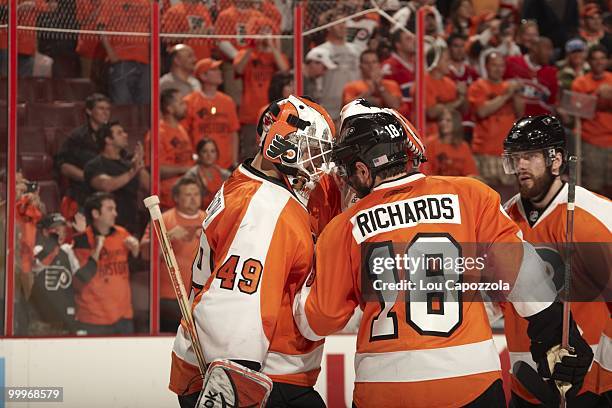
x=378, y=137
x=296, y=135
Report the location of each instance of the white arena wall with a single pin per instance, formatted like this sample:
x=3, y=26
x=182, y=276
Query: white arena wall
x=133, y=372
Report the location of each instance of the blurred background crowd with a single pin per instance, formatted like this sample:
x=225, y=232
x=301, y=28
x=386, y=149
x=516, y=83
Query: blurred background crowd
x=84, y=97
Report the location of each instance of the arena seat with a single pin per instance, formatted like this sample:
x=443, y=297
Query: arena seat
x=57, y=114
x=127, y=115
x=54, y=137
x=21, y=114
x=37, y=166
x=50, y=195
x=72, y=89
x=35, y=90
x=31, y=140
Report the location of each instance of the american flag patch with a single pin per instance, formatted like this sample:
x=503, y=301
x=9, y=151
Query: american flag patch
x=379, y=161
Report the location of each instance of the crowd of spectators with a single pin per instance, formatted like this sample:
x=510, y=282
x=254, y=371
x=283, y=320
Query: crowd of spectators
x=488, y=64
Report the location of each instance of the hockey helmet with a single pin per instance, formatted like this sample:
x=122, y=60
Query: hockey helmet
x=534, y=134
x=378, y=137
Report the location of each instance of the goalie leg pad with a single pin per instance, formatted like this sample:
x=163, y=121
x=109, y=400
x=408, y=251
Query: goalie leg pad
x=231, y=385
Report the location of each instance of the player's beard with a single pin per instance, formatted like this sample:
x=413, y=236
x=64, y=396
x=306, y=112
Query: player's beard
x=540, y=186
x=361, y=189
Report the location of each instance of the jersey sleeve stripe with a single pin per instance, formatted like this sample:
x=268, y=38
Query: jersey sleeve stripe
x=182, y=347
x=428, y=364
x=533, y=290
x=599, y=207
x=299, y=314
x=603, y=354
x=283, y=364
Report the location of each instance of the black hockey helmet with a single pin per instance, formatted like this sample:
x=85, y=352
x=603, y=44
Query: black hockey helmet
x=531, y=134
x=378, y=137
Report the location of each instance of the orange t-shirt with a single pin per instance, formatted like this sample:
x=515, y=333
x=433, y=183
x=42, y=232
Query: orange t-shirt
x=212, y=180
x=185, y=249
x=271, y=11
x=355, y=89
x=436, y=91
x=131, y=16
x=596, y=131
x=257, y=75
x=185, y=18
x=213, y=118
x=107, y=297
x=234, y=21
x=490, y=132
x=446, y=159
x=267, y=8
x=26, y=16
x=174, y=150
x=88, y=45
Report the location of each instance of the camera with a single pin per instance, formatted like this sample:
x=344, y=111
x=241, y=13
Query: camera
x=31, y=187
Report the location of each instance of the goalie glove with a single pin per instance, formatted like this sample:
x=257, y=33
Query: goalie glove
x=228, y=384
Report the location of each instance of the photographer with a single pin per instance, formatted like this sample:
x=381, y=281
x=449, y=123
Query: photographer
x=30, y=210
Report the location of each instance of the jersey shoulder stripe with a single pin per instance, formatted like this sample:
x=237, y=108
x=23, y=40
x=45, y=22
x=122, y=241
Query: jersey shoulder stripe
x=514, y=201
x=598, y=206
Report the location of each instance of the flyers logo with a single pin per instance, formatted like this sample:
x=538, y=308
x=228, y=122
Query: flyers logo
x=57, y=277
x=282, y=148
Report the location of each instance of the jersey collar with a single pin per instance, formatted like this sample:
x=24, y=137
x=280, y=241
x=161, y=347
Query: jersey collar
x=559, y=198
x=400, y=181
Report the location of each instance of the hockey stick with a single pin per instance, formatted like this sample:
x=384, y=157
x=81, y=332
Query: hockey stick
x=569, y=237
x=152, y=204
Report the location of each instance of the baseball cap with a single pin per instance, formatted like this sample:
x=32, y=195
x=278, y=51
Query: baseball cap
x=51, y=220
x=321, y=55
x=205, y=65
x=575, y=45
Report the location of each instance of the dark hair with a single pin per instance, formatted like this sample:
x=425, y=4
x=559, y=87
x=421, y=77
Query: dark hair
x=183, y=181
x=278, y=82
x=204, y=142
x=92, y=100
x=167, y=98
x=391, y=171
x=366, y=52
x=597, y=48
x=452, y=14
x=104, y=131
x=396, y=37
x=454, y=36
x=94, y=202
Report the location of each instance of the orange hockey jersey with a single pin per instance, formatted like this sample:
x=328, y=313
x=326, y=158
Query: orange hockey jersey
x=255, y=251
x=592, y=257
x=434, y=353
